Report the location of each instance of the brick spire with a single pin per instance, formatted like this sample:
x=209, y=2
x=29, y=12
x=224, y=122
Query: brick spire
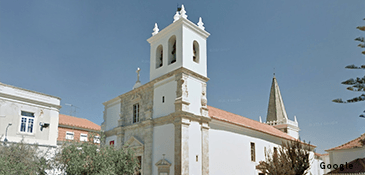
x=276, y=110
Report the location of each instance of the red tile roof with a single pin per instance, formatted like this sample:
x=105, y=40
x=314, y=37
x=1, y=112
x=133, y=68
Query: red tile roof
x=219, y=114
x=77, y=122
x=351, y=144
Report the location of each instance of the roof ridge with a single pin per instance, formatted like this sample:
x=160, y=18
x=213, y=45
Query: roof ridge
x=239, y=115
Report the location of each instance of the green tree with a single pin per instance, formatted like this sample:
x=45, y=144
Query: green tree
x=291, y=158
x=89, y=158
x=22, y=158
x=357, y=84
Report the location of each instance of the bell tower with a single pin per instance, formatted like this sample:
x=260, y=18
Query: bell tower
x=181, y=44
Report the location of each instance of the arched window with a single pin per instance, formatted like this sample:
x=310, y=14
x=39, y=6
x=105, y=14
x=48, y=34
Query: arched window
x=172, y=50
x=195, y=52
x=159, y=56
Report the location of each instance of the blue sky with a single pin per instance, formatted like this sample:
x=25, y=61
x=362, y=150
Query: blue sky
x=87, y=52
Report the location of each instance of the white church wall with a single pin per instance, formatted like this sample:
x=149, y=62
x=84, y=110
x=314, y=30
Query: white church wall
x=195, y=148
x=166, y=88
x=195, y=93
x=189, y=37
x=163, y=143
x=112, y=115
x=293, y=133
x=162, y=38
x=230, y=148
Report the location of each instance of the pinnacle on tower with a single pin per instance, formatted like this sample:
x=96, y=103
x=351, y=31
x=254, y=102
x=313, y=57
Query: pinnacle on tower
x=200, y=23
x=183, y=12
x=155, y=30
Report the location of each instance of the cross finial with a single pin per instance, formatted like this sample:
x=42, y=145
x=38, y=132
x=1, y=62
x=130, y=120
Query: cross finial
x=274, y=71
x=138, y=69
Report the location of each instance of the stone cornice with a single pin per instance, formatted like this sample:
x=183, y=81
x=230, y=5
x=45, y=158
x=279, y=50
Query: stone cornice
x=171, y=118
x=176, y=24
x=30, y=101
x=29, y=90
x=151, y=83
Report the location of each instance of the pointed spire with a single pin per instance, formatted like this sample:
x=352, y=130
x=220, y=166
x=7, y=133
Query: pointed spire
x=155, y=30
x=260, y=119
x=177, y=16
x=295, y=119
x=183, y=12
x=276, y=110
x=200, y=23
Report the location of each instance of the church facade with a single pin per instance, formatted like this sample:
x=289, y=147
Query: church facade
x=169, y=125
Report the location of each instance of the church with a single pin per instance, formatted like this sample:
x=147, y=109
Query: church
x=171, y=128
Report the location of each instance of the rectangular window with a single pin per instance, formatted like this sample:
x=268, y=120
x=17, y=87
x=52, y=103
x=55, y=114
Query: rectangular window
x=27, y=121
x=83, y=137
x=69, y=135
x=97, y=139
x=135, y=113
x=253, y=152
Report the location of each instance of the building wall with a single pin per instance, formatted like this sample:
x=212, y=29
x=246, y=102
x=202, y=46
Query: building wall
x=230, y=149
x=155, y=73
x=13, y=100
x=195, y=148
x=166, y=88
x=346, y=155
x=163, y=143
x=77, y=132
x=112, y=112
x=190, y=36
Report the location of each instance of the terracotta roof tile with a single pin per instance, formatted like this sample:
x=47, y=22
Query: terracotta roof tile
x=77, y=122
x=351, y=144
x=225, y=116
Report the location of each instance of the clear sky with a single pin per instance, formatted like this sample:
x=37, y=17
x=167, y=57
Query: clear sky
x=87, y=52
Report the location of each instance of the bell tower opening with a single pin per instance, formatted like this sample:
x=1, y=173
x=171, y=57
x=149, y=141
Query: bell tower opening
x=172, y=49
x=159, y=56
x=196, y=52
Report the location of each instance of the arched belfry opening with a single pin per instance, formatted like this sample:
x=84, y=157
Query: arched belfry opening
x=172, y=49
x=196, y=52
x=159, y=56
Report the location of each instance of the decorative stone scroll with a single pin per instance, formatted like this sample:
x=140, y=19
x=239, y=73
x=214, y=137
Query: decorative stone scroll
x=182, y=93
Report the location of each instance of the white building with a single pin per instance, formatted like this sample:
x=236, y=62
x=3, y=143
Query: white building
x=169, y=125
x=28, y=115
x=345, y=153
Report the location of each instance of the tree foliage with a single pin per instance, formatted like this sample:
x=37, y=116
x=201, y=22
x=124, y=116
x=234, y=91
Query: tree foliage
x=355, y=84
x=91, y=159
x=22, y=158
x=292, y=158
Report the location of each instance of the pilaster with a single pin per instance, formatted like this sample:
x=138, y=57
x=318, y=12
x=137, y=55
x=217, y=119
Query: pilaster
x=181, y=101
x=181, y=146
x=205, y=148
